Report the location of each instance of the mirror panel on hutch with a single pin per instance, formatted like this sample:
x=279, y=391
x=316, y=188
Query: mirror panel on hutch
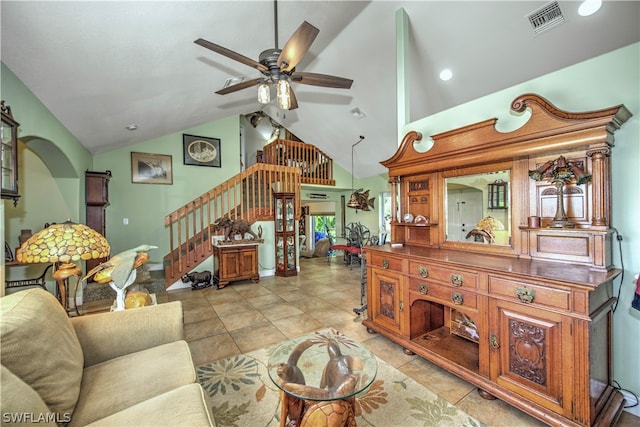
x=518, y=303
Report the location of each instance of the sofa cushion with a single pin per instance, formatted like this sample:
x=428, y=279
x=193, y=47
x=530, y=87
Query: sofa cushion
x=40, y=346
x=124, y=381
x=184, y=406
x=20, y=404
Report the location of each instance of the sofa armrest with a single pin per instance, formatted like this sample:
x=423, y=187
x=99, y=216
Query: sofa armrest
x=107, y=335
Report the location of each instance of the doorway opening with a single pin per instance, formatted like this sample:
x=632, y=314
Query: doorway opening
x=322, y=226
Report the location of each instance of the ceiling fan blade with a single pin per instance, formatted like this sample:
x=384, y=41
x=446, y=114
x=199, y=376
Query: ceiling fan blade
x=231, y=54
x=324, y=80
x=297, y=46
x=240, y=86
x=294, y=100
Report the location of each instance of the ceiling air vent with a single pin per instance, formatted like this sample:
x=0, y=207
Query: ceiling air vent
x=545, y=18
x=317, y=196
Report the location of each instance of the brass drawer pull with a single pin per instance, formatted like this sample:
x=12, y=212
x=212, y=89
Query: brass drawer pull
x=525, y=295
x=423, y=289
x=493, y=341
x=457, y=280
x=385, y=264
x=457, y=298
x=423, y=272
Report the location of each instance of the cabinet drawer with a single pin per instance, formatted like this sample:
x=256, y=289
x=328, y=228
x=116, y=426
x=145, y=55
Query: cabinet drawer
x=387, y=263
x=529, y=294
x=444, y=294
x=446, y=276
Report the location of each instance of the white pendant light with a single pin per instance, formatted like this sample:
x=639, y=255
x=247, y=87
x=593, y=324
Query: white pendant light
x=264, y=93
x=284, y=97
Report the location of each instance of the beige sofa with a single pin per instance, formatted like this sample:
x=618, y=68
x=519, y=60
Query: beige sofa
x=128, y=368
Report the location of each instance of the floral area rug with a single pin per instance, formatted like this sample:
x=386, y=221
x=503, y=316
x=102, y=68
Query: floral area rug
x=242, y=394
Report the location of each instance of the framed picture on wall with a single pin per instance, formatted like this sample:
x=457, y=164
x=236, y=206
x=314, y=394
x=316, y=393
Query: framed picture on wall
x=147, y=168
x=201, y=151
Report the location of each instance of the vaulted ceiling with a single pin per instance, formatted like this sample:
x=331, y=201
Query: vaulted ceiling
x=100, y=66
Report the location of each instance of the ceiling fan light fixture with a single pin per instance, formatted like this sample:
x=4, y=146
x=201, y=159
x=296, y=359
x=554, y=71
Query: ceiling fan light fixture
x=284, y=94
x=264, y=93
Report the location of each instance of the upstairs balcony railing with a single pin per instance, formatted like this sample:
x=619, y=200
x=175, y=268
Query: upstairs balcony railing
x=315, y=166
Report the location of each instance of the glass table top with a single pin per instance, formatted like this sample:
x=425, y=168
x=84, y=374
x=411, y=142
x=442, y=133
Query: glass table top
x=322, y=366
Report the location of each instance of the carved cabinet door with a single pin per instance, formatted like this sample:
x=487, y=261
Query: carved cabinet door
x=526, y=352
x=389, y=300
x=230, y=263
x=248, y=261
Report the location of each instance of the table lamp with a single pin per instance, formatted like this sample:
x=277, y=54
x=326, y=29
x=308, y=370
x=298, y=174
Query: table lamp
x=63, y=244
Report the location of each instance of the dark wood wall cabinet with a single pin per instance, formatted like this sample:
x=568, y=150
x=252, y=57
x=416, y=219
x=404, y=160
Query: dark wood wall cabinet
x=235, y=262
x=527, y=319
x=9, y=146
x=96, y=202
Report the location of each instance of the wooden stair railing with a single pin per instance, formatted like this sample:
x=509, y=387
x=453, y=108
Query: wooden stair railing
x=315, y=166
x=247, y=196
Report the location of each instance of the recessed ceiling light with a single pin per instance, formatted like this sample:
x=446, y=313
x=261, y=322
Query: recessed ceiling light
x=589, y=7
x=446, y=74
x=132, y=127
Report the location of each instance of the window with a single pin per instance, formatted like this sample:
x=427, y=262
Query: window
x=385, y=212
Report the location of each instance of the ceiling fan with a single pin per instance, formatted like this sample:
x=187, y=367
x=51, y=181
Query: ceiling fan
x=278, y=66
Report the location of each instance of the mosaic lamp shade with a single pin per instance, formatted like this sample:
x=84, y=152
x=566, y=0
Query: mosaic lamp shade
x=63, y=244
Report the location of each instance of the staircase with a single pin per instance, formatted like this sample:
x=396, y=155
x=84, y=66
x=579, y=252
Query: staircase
x=247, y=196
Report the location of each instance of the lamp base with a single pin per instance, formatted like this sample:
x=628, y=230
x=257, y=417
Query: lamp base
x=561, y=223
x=560, y=219
x=62, y=275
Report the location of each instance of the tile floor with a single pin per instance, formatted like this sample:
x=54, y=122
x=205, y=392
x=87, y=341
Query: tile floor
x=245, y=316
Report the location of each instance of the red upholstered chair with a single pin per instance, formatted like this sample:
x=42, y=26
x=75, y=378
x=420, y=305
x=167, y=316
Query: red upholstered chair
x=357, y=236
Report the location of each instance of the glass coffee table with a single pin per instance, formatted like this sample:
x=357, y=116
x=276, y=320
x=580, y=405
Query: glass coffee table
x=319, y=376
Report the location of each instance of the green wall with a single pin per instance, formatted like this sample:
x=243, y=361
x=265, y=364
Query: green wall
x=605, y=81
x=50, y=161
x=145, y=205
x=56, y=156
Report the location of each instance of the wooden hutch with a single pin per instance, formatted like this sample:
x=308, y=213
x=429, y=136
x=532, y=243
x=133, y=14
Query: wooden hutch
x=525, y=313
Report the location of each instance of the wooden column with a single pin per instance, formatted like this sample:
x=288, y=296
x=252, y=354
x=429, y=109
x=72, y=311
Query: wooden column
x=599, y=179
